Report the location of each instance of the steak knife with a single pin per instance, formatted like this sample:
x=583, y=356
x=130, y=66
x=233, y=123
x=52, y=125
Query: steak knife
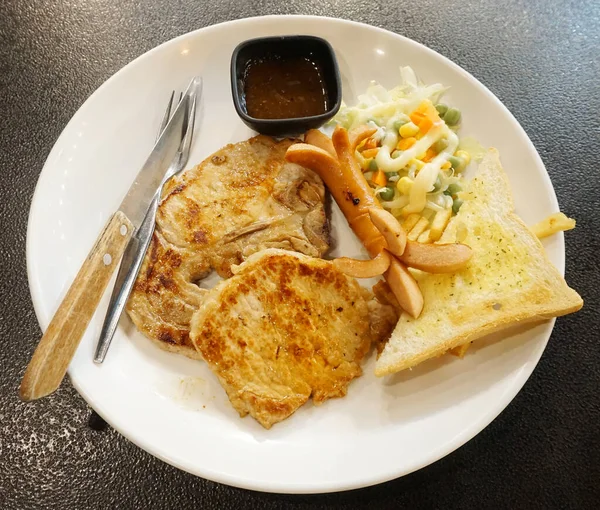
x=52, y=356
x=138, y=245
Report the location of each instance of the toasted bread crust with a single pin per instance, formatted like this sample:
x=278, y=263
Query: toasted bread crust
x=508, y=281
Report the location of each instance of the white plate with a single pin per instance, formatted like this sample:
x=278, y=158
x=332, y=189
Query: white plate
x=172, y=406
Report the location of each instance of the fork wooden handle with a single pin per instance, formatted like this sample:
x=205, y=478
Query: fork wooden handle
x=53, y=354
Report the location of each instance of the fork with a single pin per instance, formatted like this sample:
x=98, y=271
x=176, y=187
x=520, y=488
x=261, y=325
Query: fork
x=136, y=250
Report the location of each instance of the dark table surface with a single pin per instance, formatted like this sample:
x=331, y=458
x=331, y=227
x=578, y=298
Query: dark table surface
x=541, y=58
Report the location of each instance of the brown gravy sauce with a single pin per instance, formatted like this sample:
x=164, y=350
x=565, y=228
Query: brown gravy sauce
x=278, y=88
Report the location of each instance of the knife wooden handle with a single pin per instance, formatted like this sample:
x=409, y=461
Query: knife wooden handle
x=53, y=354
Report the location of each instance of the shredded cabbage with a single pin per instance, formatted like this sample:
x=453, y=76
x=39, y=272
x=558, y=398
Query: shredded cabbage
x=386, y=110
x=473, y=147
x=383, y=106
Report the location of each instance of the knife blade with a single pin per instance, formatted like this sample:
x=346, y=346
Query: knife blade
x=140, y=194
x=138, y=245
x=58, y=344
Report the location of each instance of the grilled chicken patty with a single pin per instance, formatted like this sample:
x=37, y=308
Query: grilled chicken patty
x=240, y=200
x=284, y=328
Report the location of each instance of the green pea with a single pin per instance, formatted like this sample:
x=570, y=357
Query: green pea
x=373, y=165
x=456, y=205
x=457, y=163
x=391, y=174
x=398, y=124
x=452, y=116
x=453, y=189
x=440, y=145
x=396, y=154
x=441, y=109
x=437, y=185
x=387, y=193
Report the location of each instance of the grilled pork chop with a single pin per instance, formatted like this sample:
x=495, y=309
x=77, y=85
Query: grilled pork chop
x=284, y=328
x=242, y=199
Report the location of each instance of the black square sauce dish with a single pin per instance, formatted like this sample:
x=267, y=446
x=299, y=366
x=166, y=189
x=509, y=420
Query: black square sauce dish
x=285, y=85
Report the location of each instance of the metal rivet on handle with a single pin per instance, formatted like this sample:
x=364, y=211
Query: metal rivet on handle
x=123, y=230
x=107, y=259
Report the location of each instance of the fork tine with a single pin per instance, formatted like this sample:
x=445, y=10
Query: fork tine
x=187, y=139
x=166, y=116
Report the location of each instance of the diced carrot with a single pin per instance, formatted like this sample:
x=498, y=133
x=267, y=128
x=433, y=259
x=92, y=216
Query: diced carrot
x=429, y=155
x=425, y=116
x=370, y=153
x=371, y=143
x=417, y=117
x=379, y=178
x=406, y=143
x=425, y=125
x=428, y=109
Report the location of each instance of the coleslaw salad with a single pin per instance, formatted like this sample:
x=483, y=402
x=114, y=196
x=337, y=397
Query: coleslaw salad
x=415, y=159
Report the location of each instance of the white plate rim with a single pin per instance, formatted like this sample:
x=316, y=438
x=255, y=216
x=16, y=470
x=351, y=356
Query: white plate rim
x=365, y=481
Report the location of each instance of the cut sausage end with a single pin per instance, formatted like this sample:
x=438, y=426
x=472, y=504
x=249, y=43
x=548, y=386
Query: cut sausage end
x=320, y=140
x=405, y=288
x=390, y=228
x=436, y=258
x=364, y=268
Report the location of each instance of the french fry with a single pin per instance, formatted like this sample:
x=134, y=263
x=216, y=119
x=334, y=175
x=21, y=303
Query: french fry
x=554, y=223
x=425, y=237
x=418, y=229
x=439, y=224
x=410, y=221
x=397, y=212
x=460, y=350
